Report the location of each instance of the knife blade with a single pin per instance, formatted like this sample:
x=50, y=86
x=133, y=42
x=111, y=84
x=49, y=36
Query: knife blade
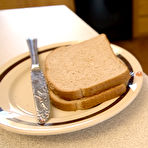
x=39, y=86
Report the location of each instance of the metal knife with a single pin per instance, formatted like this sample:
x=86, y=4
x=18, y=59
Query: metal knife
x=39, y=86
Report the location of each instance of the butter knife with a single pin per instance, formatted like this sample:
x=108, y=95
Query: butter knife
x=39, y=86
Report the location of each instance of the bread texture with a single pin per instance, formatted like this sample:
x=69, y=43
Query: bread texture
x=87, y=102
x=84, y=69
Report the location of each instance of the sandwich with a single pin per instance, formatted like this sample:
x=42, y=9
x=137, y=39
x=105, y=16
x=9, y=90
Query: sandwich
x=84, y=75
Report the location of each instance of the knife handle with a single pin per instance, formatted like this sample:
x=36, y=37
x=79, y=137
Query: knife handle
x=32, y=44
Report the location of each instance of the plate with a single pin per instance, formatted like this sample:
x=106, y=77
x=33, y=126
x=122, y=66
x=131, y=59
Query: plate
x=17, y=111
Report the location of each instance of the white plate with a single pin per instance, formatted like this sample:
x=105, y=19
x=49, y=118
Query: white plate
x=17, y=112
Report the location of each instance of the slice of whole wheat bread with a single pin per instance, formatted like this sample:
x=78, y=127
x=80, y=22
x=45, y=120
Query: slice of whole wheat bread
x=84, y=69
x=87, y=102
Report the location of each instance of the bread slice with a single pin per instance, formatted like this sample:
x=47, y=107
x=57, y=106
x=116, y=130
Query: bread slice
x=87, y=102
x=84, y=69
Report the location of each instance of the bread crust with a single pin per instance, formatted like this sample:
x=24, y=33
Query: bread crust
x=90, y=91
x=120, y=79
x=87, y=102
x=75, y=94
